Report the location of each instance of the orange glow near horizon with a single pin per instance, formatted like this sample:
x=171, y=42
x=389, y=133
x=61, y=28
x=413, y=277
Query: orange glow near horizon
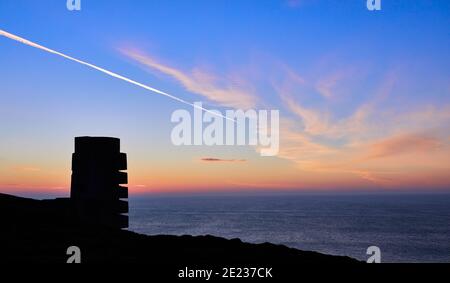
x=346, y=123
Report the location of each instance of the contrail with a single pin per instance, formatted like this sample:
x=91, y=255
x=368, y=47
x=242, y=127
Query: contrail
x=112, y=74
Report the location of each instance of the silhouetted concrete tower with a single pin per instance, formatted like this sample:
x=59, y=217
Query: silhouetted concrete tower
x=96, y=178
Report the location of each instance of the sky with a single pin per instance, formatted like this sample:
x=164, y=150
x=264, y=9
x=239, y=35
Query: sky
x=364, y=96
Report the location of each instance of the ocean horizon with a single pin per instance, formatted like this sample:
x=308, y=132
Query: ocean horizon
x=406, y=227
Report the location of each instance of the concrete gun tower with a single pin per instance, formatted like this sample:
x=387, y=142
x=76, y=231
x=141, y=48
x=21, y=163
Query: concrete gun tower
x=97, y=175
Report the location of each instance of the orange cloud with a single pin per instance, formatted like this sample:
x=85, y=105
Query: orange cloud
x=327, y=147
x=401, y=144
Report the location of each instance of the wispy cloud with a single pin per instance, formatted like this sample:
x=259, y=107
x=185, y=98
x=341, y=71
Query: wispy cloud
x=226, y=92
x=316, y=141
x=328, y=84
x=314, y=122
x=318, y=122
x=405, y=143
x=316, y=136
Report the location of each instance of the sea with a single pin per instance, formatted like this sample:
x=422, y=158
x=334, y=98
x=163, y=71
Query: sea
x=405, y=227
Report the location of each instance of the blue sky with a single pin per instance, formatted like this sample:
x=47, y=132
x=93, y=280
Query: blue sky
x=347, y=81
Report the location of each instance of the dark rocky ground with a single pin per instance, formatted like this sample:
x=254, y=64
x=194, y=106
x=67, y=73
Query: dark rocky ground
x=41, y=231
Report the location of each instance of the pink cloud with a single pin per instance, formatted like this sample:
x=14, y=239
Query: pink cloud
x=227, y=92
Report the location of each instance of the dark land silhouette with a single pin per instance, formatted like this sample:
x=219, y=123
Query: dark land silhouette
x=93, y=219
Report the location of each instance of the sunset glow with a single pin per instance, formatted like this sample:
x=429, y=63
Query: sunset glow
x=356, y=113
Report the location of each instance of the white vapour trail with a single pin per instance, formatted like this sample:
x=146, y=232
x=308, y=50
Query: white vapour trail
x=112, y=74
